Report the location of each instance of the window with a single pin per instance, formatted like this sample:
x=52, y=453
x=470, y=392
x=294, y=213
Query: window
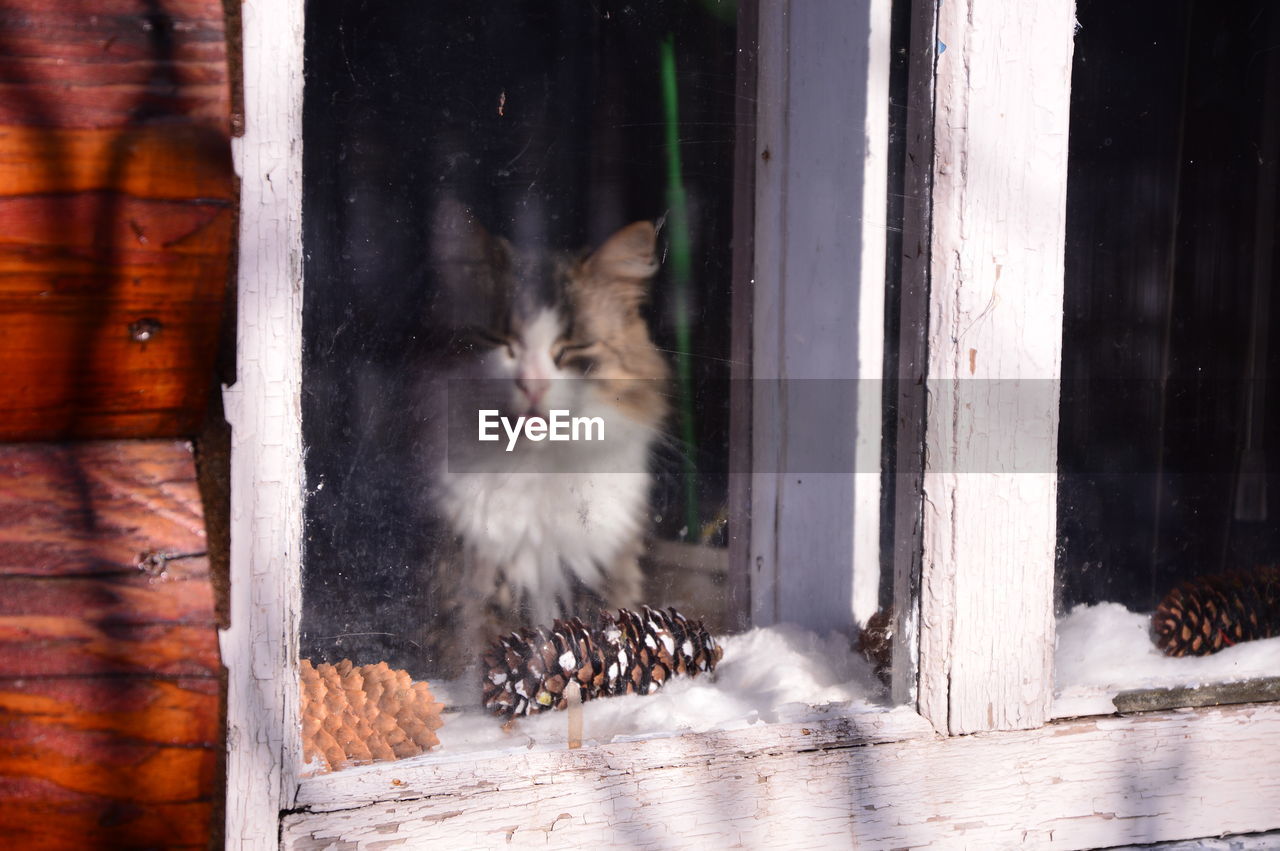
x=980, y=298
x=456, y=161
x=532, y=132
x=1167, y=457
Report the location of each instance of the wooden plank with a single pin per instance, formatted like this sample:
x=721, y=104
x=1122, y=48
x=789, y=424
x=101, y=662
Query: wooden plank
x=110, y=707
x=179, y=711
x=150, y=161
x=43, y=817
x=116, y=228
x=89, y=107
x=114, y=64
x=76, y=753
x=1082, y=784
x=71, y=646
x=113, y=599
x=818, y=312
x=138, y=624
x=823, y=728
x=93, y=508
x=995, y=339
x=264, y=408
x=116, y=193
x=737, y=591
x=114, y=67
x=68, y=310
x=910, y=356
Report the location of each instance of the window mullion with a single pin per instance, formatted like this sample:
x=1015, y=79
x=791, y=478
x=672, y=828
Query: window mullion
x=260, y=647
x=818, y=318
x=995, y=338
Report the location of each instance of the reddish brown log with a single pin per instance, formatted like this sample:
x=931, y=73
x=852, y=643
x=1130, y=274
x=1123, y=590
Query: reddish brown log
x=116, y=205
x=41, y=816
x=110, y=729
x=109, y=227
x=76, y=274
x=93, y=508
x=159, y=161
x=115, y=64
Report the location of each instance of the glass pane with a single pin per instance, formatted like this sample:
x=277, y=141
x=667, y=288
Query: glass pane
x=1168, y=499
x=518, y=357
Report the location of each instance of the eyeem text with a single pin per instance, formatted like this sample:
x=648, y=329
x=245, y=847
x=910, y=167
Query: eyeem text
x=558, y=426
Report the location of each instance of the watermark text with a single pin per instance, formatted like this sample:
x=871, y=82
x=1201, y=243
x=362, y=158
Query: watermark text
x=557, y=425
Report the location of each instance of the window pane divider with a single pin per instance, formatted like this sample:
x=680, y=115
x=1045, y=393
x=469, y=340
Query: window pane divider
x=263, y=407
x=818, y=312
x=1002, y=102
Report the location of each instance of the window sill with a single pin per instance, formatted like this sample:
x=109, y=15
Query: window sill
x=1079, y=701
x=824, y=727
x=883, y=780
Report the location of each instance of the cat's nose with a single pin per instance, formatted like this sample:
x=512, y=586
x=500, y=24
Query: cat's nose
x=533, y=389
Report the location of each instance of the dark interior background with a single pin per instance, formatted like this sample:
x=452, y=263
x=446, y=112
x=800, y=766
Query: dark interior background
x=1169, y=404
x=546, y=118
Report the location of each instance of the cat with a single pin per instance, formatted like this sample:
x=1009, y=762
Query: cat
x=540, y=530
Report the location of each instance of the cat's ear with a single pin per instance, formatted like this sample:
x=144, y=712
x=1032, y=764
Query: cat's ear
x=457, y=237
x=467, y=263
x=626, y=259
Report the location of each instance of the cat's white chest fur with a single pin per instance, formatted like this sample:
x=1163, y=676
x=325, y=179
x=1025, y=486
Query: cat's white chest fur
x=538, y=529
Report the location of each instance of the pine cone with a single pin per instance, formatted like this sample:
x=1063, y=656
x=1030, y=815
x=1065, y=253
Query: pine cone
x=875, y=643
x=1205, y=614
x=528, y=672
x=354, y=714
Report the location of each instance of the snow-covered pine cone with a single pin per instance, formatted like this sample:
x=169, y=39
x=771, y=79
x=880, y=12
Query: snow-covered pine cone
x=633, y=653
x=1206, y=614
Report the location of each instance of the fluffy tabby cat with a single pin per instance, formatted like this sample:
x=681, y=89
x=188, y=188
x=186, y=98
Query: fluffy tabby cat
x=548, y=529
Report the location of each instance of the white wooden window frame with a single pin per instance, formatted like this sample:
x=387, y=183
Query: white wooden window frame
x=977, y=761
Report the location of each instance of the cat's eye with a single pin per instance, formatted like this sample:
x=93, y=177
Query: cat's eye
x=579, y=355
x=483, y=338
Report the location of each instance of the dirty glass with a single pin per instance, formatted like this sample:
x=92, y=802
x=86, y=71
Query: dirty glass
x=519, y=228
x=1168, y=498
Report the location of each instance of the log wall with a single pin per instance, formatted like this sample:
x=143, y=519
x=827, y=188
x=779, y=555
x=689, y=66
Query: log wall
x=117, y=219
x=110, y=727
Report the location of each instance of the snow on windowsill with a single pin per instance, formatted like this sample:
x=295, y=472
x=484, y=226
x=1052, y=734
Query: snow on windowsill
x=1105, y=649
x=768, y=675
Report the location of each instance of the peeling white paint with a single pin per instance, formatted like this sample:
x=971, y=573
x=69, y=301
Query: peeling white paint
x=832, y=784
x=1000, y=171
x=260, y=648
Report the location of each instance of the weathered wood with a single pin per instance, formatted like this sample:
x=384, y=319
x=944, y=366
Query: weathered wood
x=97, y=226
x=42, y=816
x=186, y=161
x=823, y=728
x=116, y=193
x=70, y=295
x=93, y=508
x=53, y=646
x=110, y=708
x=737, y=590
x=113, y=64
x=1082, y=784
x=818, y=312
x=178, y=711
x=1215, y=694
x=264, y=408
x=995, y=341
